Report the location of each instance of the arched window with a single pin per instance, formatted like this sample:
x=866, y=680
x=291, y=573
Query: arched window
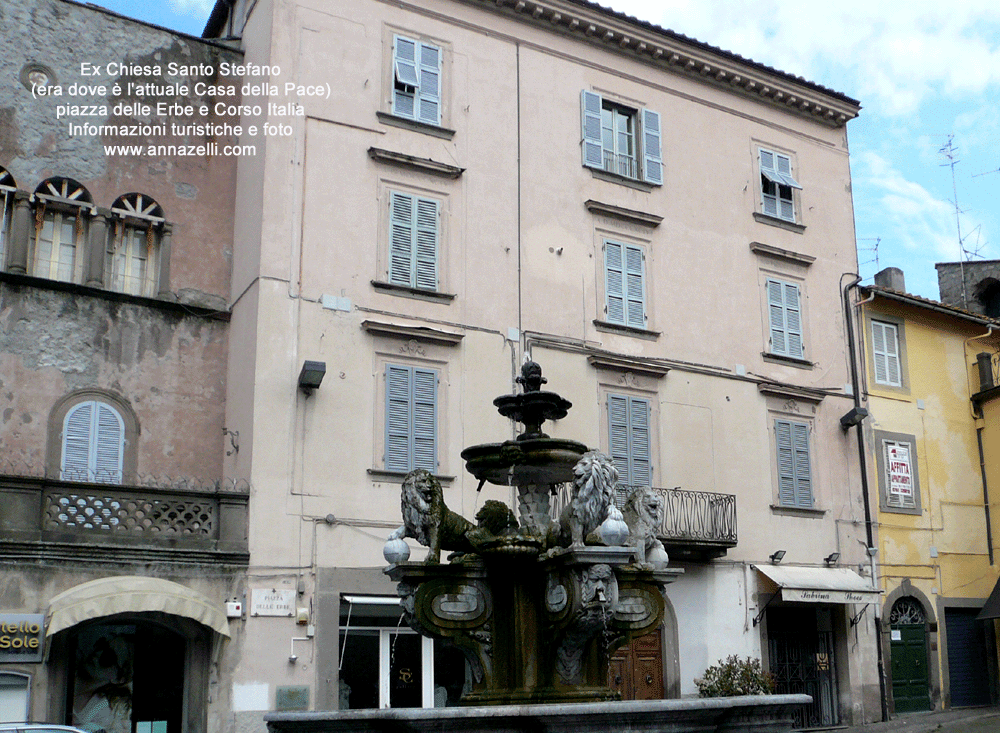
x=907, y=610
x=988, y=294
x=132, y=261
x=93, y=443
x=7, y=188
x=60, y=229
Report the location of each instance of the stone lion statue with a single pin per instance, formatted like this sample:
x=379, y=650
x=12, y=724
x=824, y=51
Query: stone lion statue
x=643, y=513
x=594, y=479
x=426, y=518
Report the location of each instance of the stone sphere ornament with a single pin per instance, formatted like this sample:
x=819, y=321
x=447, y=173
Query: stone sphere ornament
x=396, y=551
x=613, y=530
x=657, y=556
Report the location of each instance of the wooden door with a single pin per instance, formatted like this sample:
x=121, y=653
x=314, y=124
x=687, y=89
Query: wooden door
x=636, y=670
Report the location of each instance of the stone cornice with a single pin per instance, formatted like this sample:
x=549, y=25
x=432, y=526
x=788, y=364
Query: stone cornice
x=415, y=333
x=630, y=215
x=410, y=161
x=681, y=55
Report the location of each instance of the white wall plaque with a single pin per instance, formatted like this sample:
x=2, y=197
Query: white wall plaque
x=271, y=602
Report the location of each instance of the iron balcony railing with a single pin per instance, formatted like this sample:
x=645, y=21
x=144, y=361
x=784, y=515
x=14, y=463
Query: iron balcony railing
x=623, y=165
x=696, y=524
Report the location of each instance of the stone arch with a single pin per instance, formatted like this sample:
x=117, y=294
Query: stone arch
x=987, y=292
x=907, y=589
x=130, y=457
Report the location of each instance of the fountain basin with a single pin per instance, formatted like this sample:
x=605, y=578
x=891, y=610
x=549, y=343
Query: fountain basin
x=751, y=714
x=534, y=461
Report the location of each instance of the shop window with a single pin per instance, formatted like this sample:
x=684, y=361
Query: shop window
x=383, y=664
x=62, y=209
x=13, y=697
x=131, y=263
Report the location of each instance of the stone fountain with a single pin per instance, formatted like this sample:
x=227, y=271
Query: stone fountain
x=538, y=603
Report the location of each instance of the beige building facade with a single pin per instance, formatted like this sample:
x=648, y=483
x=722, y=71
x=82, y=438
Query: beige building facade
x=664, y=226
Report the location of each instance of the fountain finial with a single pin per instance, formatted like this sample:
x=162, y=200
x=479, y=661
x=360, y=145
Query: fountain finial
x=531, y=378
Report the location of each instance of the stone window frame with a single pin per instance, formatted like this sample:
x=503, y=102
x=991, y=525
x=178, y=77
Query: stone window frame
x=786, y=272
x=628, y=384
x=626, y=235
x=797, y=408
x=882, y=437
x=904, y=375
x=136, y=215
x=795, y=223
x=57, y=418
x=63, y=198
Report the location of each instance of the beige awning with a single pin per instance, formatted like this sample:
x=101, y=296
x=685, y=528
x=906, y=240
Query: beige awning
x=819, y=585
x=132, y=594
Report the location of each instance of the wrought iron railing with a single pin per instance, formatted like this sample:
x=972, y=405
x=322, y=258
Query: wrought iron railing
x=699, y=516
x=623, y=165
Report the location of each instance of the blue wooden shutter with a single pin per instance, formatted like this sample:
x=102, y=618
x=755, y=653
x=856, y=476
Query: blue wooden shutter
x=885, y=353
x=411, y=418
x=429, y=94
x=785, y=318
x=425, y=244
x=76, y=443
x=652, y=157
x=108, y=445
x=614, y=269
x=397, y=418
x=769, y=194
x=635, y=291
x=794, y=472
x=590, y=112
x=628, y=437
x=404, y=54
x=401, y=232
x=424, y=419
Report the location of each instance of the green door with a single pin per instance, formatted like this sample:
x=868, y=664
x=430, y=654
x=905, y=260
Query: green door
x=908, y=648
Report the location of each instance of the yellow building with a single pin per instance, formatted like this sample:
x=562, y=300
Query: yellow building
x=932, y=437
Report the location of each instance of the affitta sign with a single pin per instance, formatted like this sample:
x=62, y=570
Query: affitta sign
x=22, y=637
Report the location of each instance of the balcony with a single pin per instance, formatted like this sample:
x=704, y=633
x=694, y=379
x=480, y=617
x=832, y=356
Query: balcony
x=697, y=525
x=160, y=520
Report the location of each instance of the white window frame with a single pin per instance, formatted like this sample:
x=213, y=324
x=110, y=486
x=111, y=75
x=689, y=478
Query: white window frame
x=603, y=143
x=886, y=362
x=93, y=444
x=408, y=431
x=416, y=80
x=625, y=284
x=777, y=185
x=794, y=463
x=784, y=318
x=414, y=247
x=63, y=202
x=132, y=259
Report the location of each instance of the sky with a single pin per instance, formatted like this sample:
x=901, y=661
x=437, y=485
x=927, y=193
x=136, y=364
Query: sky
x=925, y=151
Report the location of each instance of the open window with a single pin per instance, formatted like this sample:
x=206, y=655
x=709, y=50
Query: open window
x=621, y=140
x=416, y=77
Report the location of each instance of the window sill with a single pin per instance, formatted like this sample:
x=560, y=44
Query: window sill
x=774, y=221
x=626, y=330
x=408, y=292
x=392, y=120
x=396, y=477
x=787, y=360
x=911, y=510
x=798, y=511
x=635, y=183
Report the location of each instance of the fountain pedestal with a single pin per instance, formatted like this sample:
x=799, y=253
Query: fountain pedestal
x=535, y=629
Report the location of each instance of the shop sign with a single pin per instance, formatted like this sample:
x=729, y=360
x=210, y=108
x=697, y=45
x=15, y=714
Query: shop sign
x=816, y=595
x=270, y=602
x=22, y=637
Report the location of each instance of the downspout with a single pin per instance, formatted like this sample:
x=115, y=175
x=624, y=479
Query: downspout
x=863, y=464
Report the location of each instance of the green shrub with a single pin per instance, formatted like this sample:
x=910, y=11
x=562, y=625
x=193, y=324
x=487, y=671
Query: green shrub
x=733, y=676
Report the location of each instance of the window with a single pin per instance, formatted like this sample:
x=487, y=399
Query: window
x=131, y=263
x=416, y=93
x=629, y=439
x=60, y=230
x=93, y=443
x=387, y=665
x=625, y=293
x=410, y=418
x=784, y=318
x=776, y=184
x=621, y=140
x=7, y=188
x=885, y=354
x=414, y=225
x=898, y=474
x=794, y=472
x=14, y=696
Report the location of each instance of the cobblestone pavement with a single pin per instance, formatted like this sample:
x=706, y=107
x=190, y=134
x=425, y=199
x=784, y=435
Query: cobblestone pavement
x=967, y=720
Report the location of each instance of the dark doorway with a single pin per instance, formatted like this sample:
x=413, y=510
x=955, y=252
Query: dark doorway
x=127, y=678
x=636, y=670
x=968, y=673
x=802, y=660
x=908, y=656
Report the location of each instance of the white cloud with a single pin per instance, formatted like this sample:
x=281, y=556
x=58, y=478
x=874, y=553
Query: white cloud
x=197, y=8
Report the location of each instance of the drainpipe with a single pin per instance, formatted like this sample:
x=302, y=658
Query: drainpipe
x=863, y=464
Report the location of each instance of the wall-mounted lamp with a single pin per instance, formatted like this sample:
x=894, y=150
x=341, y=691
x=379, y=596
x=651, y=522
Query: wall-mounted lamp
x=854, y=417
x=311, y=376
x=777, y=556
x=832, y=558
